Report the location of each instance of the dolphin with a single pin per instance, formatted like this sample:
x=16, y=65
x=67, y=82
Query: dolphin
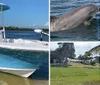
x=73, y=19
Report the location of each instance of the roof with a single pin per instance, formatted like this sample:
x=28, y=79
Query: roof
x=4, y=7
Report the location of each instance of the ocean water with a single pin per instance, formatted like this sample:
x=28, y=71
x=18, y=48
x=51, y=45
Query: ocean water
x=60, y=7
x=24, y=59
x=25, y=35
x=89, y=33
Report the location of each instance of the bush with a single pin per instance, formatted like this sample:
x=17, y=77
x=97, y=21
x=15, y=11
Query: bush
x=92, y=63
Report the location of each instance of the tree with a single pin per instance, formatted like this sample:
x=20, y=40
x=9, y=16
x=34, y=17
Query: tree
x=64, y=51
x=80, y=57
x=97, y=58
x=87, y=55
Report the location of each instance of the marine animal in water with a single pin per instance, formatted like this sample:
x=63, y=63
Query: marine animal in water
x=73, y=19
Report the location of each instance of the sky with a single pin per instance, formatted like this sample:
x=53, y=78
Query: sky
x=26, y=13
x=80, y=47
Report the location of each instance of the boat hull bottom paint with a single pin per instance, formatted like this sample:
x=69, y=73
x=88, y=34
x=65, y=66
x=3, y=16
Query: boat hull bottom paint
x=19, y=72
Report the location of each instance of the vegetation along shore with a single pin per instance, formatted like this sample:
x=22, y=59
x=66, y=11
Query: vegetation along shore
x=23, y=29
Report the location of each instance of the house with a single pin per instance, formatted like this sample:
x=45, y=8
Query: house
x=70, y=61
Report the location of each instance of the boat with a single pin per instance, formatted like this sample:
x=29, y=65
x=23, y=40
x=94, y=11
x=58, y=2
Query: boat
x=16, y=66
x=19, y=72
x=21, y=44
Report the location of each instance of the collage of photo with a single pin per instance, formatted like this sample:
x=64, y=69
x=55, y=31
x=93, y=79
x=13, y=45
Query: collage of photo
x=50, y=42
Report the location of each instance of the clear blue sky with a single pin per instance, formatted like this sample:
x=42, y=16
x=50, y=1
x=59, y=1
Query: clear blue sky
x=26, y=13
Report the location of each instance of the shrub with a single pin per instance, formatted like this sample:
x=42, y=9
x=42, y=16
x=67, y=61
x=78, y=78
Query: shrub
x=92, y=63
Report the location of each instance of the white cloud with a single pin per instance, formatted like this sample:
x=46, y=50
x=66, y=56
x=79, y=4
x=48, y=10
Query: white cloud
x=53, y=45
x=33, y=25
x=80, y=47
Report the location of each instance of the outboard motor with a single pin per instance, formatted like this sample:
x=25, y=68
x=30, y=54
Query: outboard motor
x=41, y=32
x=97, y=16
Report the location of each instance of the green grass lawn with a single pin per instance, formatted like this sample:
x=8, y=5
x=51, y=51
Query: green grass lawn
x=75, y=75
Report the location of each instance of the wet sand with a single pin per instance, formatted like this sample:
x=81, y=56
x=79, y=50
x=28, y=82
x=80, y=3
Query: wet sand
x=8, y=79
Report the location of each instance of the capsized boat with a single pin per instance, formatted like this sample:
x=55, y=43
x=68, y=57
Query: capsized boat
x=16, y=66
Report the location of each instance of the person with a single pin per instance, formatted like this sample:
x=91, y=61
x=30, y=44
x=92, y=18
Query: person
x=41, y=37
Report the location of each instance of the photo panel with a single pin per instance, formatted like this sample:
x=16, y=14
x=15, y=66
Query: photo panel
x=75, y=20
x=74, y=63
x=24, y=42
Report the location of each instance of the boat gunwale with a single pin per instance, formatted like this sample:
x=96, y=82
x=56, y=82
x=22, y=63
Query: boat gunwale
x=3, y=68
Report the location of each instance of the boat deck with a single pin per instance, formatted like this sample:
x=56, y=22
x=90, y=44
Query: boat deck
x=26, y=45
x=10, y=62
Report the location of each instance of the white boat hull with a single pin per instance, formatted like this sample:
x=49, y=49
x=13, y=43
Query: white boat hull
x=21, y=44
x=19, y=72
